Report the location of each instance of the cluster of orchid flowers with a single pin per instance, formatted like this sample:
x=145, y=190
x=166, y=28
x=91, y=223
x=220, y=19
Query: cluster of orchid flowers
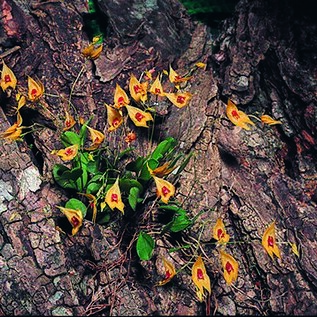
x=229, y=265
x=139, y=92
x=8, y=82
x=113, y=198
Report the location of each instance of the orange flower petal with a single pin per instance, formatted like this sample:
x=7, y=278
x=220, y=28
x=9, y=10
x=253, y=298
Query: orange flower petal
x=230, y=267
x=179, y=99
x=269, y=120
x=69, y=122
x=219, y=232
x=164, y=189
x=121, y=99
x=139, y=117
x=200, y=278
x=115, y=119
x=113, y=197
x=74, y=216
x=96, y=137
x=170, y=271
x=269, y=241
x=68, y=153
x=137, y=90
x=35, y=89
x=8, y=78
x=156, y=88
x=175, y=78
x=237, y=117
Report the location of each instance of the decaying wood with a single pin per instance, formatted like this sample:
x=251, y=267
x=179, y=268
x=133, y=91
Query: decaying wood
x=264, y=60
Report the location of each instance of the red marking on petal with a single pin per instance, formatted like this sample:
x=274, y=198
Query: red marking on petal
x=69, y=152
x=120, y=100
x=200, y=274
x=137, y=89
x=220, y=233
x=114, y=198
x=115, y=122
x=139, y=116
x=165, y=191
x=229, y=267
x=235, y=114
x=75, y=222
x=270, y=241
x=7, y=78
x=180, y=99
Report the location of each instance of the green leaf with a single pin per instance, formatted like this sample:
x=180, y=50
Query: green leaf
x=70, y=138
x=83, y=132
x=127, y=183
x=163, y=147
x=65, y=177
x=133, y=197
x=135, y=166
x=145, y=246
x=97, y=178
x=179, y=169
x=125, y=152
x=93, y=188
x=174, y=208
x=179, y=223
x=93, y=166
x=145, y=174
x=76, y=204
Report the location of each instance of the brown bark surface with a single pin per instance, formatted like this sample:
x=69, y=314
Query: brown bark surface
x=264, y=60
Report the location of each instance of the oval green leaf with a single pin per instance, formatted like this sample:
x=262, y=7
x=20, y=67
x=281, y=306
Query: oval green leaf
x=145, y=246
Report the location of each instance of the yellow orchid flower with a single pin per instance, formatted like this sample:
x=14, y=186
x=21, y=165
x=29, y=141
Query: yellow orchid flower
x=21, y=101
x=114, y=118
x=269, y=120
x=148, y=74
x=92, y=51
x=139, y=117
x=14, y=132
x=35, y=89
x=164, y=189
x=92, y=204
x=74, y=216
x=8, y=78
x=138, y=91
x=179, y=99
x=175, y=78
x=162, y=170
x=269, y=241
x=69, y=121
x=170, y=271
x=156, y=88
x=96, y=137
x=237, y=117
x=120, y=99
x=219, y=232
x=68, y=153
x=230, y=267
x=113, y=197
x=201, y=65
x=200, y=278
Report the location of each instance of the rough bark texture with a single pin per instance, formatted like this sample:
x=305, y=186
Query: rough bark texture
x=264, y=60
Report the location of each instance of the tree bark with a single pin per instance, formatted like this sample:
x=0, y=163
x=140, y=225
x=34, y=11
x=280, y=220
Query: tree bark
x=263, y=60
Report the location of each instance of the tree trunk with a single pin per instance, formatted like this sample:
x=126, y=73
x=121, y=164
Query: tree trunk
x=263, y=60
